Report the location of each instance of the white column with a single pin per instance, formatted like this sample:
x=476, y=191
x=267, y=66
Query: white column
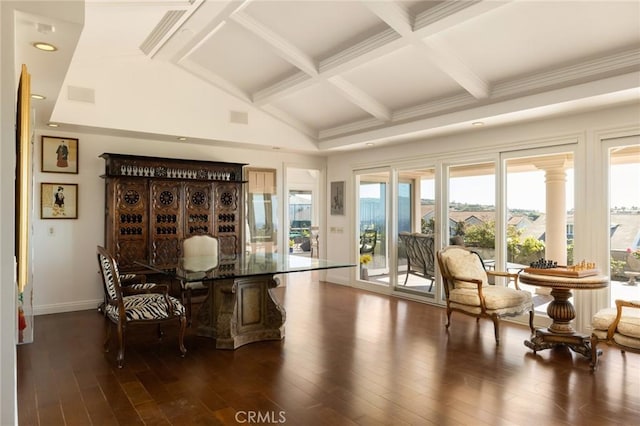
x=556, y=209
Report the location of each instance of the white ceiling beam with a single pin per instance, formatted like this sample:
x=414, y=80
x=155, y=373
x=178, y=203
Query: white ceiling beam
x=401, y=34
x=372, y=48
x=361, y=99
x=448, y=14
x=207, y=75
x=394, y=14
x=398, y=18
x=291, y=84
x=281, y=47
x=445, y=59
x=288, y=119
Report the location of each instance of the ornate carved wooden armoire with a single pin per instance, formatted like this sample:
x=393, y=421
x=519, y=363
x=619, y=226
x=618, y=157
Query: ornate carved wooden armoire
x=152, y=204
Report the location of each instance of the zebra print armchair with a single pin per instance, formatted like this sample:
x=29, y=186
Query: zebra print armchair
x=151, y=305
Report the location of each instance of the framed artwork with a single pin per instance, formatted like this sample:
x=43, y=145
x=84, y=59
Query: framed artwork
x=337, y=198
x=58, y=201
x=59, y=155
x=23, y=207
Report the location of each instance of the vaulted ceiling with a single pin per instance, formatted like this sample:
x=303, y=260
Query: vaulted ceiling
x=316, y=75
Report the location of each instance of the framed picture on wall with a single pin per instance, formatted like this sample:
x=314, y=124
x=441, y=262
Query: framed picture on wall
x=58, y=201
x=337, y=198
x=59, y=155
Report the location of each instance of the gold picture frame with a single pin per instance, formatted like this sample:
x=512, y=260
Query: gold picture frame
x=59, y=155
x=58, y=200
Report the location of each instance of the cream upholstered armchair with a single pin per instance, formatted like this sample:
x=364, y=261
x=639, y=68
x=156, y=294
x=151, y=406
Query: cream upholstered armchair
x=200, y=253
x=129, y=306
x=467, y=289
x=619, y=327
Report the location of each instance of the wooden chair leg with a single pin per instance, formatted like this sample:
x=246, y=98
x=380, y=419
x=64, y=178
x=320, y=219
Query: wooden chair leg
x=121, y=339
x=496, y=328
x=181, y=332
x=448, y=318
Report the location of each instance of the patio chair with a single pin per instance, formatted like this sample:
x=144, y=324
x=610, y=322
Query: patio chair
x=420, y=256
x=368, y=240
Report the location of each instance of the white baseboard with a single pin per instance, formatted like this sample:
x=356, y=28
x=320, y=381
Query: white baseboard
x=67, y=307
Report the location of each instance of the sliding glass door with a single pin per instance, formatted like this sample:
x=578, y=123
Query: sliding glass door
x=415, y=272
x=624, y=217
x=373, y=213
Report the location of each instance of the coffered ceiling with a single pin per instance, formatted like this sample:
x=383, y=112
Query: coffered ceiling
x=316, y=75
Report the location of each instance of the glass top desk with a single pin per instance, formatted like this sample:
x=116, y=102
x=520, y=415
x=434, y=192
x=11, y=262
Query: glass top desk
x=240, y=307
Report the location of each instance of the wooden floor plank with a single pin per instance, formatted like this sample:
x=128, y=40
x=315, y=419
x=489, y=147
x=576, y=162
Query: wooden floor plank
x=350, y=357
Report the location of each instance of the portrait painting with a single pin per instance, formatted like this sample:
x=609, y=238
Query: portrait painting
x=58, y=201
x=59, y=155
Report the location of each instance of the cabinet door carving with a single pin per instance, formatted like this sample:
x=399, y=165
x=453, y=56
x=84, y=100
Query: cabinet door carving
x=199, y=209
x=227, y=198
x=129, y=218
x=166, y=221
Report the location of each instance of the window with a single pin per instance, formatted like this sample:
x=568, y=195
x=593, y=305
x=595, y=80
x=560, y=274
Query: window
x=624, y=218
x=373, y=210
x=261, y=202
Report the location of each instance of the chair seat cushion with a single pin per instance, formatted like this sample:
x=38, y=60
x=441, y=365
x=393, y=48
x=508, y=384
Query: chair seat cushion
x=495, y=297
x=624, y=340
x=148, y=306
x=629, y=324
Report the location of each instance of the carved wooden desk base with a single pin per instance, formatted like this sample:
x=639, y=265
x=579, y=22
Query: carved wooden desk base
x=240, y=311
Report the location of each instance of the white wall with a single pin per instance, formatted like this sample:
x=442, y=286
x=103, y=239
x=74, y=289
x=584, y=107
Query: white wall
x=8, y=315
x=65, y=266
x=587, y=128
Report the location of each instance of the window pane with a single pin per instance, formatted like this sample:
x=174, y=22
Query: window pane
x=624, y=208
x=372, y=195
x=472, y=212
x=300, y=218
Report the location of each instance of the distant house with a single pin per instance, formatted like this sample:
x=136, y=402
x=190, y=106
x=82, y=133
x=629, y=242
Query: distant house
x=624, y=231
x=471, y=218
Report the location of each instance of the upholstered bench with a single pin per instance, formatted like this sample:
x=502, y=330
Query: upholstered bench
x=619, y=326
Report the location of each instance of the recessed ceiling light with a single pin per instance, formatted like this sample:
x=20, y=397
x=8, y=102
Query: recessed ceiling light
x=38, y=97
x=47, y=47
x=477, y=123
x=53, y=125
x=182, y=138
x=369, y=144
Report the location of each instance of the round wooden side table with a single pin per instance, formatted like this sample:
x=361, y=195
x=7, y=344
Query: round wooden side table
x=561, y=311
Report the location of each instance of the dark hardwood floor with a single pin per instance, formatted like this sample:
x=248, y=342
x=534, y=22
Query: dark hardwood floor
x=349, y=358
